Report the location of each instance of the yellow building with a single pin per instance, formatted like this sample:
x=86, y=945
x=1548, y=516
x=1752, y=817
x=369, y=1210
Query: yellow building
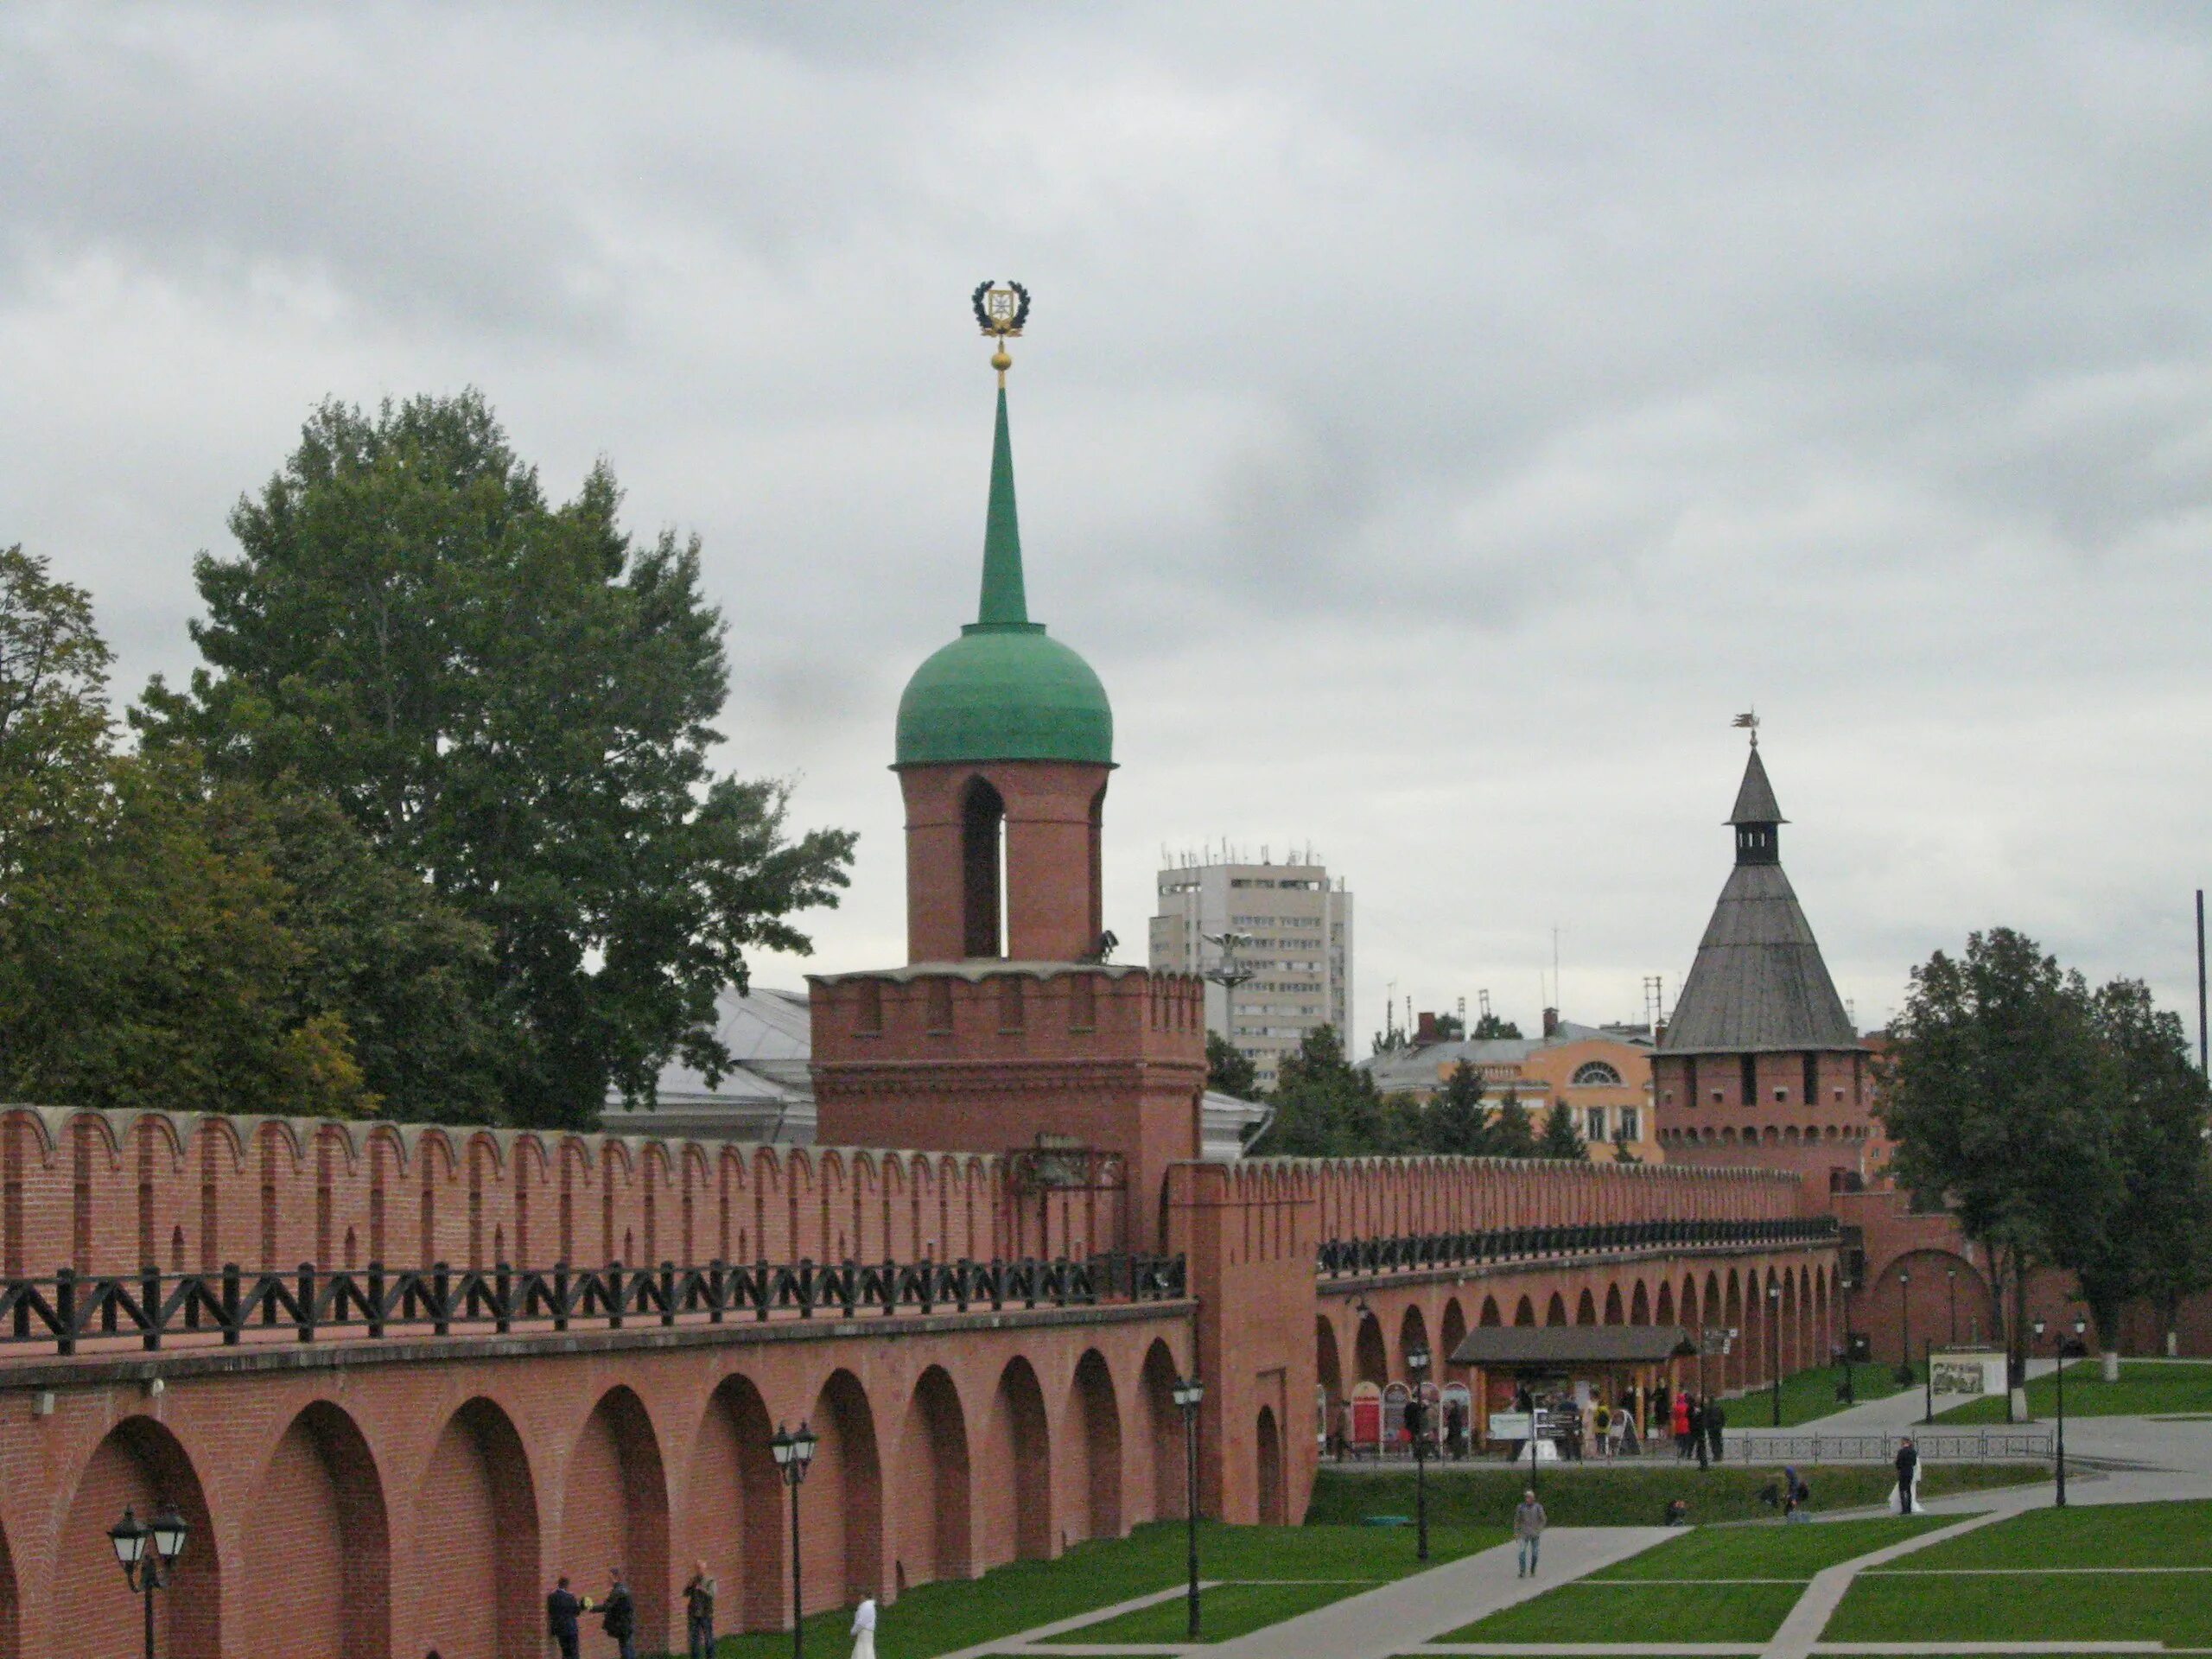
x=1603, y=1076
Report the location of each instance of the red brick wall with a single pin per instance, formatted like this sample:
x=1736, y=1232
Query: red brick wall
x=1052, y=901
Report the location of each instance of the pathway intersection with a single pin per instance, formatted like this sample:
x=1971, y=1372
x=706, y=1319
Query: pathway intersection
x=2115, y=1460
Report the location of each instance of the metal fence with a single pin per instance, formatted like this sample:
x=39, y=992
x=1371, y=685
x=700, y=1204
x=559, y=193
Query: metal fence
x=1935, y=1446
x=1340, y=1257
x=58, y=1312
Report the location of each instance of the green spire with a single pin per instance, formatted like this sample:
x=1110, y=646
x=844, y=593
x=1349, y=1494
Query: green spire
x=1004, y=603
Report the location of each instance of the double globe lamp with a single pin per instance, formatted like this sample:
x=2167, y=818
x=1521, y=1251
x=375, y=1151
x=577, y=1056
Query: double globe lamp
x=148, y=1552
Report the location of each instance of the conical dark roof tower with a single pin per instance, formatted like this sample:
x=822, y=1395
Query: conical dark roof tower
x=1758, y=984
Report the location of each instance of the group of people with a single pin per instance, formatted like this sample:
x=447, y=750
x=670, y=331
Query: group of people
x=1696, y=1425
x=617, y=1611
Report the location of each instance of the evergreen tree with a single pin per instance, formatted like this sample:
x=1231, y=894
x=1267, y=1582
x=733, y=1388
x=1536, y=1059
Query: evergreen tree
x=1625, y=1149
x=1455, y=1119
x=1230, y=1071
x=1489, y=1027
x=512, y=701
x=1559, y=1138
x=1513, y=1134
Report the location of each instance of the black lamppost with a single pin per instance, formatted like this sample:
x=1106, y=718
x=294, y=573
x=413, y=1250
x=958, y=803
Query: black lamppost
x=1187, y=1393
x=1850, y=1384
x=2081, y=1327
x=148, y=1552
x=793, y=1453
x=1417, y=1368
x=1951, y=1280
x=1905, y=1343
x=1774, y=1345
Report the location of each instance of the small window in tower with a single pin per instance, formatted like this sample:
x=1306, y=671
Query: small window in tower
x=939, y=1014
x=1838, y=1093
x=1717, y=1097
x=1782, y=1096
x=867, y=1008
x=1011, y=1013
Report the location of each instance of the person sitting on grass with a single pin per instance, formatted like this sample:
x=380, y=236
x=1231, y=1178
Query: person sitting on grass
x=1801, y=1497
x=1529, y=1523
x=1678, y=1512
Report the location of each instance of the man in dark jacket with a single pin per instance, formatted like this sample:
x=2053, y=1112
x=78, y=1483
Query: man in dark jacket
x=1699, y=1447
x=1908, y=1474
x=1715, y=1421
x=618, y=1616
x=561, y=1608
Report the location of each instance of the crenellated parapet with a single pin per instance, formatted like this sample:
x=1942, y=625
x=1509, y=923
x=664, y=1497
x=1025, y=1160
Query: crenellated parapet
x=118, y=1191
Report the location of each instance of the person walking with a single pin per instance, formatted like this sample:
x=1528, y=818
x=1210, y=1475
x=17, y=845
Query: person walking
x=864, y=1628
x=1695, y=1446
x=699, y=1613
x=617, y=1616
x=1661, y=1419
x=1529, y=1523
x=1684, y=1400
x=1344, y=1430
x=562, y=1610
x=1907, y=1475
x=1715, y=1421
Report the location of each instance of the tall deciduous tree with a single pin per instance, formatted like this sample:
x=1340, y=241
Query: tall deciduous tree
x=1230, y=1071
x=510, y=698
x=2151, y=1241
x=1998, y=1092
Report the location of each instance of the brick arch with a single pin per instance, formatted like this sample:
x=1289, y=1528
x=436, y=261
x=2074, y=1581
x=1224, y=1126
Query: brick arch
x=1664, y=1313
x=1164, y=1431
x=1525, y=1314
x=1615, y=1314
x=142, y=1465
x=614, y=1508
x=1451, y=1333
x=933, y=1538
x=1585, y=1308
x=1555, y=1310
x=1095, y=1417
x=1639, y=1305
x=844, y=1527
x=1413, y=1332
x=1328, y=1367
x=11, y=1603
x=1020, y=1445
x=1269, y=1451
x=316, y=1552
x=1490, y=1313
x=733, y=1514
x=1370, y=1361
x=474, y=1567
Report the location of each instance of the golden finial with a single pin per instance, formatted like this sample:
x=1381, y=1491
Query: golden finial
x=1000, y=312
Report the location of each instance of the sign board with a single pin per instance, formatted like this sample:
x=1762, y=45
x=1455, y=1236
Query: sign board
x=1511, y=1425
x=1958, y=1373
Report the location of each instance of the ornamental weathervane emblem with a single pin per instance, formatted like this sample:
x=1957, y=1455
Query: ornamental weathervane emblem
x=1000, y=312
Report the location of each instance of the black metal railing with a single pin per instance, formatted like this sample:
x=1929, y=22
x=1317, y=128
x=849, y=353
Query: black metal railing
x=1340, y=1257
x=61, y=1312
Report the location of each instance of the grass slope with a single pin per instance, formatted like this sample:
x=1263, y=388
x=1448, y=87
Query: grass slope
x=1775, y=1550
x=936, y=1618
x=2104, y=1535
x=1477, y=1495
x=2174, y=1608
x=1591, y=1612
x=2145, y=1389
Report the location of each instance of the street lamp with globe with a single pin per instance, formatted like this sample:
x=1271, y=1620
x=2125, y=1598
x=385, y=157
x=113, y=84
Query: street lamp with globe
x=1417, y=1420
x=147, y=1552
x=793, y=1453
x=1189, y=1393
x=2081, y=1328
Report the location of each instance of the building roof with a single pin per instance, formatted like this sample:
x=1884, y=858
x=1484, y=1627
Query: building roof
x=1004, y=690
x=1418, y=1067
x=1759, y=982
x=1755, y=801
x=1568, y=1344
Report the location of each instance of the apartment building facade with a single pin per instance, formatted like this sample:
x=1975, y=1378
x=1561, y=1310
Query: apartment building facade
x=1297, y=921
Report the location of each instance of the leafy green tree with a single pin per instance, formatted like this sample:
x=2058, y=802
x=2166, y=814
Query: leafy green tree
x=1997, y=1091
x=511, y=699
x=2150, y=1243
x=1450, y=1028
x=1559, y=1138
x=1489, y=1027
x=1325, y=1107
x=1512, y=1135
x=1230, y=1071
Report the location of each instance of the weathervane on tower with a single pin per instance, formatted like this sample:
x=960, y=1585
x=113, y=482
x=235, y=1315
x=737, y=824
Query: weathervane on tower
x=1000, y=311
x=1749, y=721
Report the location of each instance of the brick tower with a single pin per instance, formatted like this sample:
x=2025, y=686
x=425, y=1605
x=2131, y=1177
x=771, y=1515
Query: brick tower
x=1759, y=1064
x=1009, y=1029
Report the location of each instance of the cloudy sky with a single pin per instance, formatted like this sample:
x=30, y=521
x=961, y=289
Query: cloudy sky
x=1435, y=423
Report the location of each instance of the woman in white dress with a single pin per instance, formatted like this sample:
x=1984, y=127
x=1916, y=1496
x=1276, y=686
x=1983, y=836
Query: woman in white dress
x=864, y=1628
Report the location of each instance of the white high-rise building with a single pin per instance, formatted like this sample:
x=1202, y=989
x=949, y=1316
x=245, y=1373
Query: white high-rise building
x=1299, y=926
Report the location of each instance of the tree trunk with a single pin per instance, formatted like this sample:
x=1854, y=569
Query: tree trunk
x=2017, y=1405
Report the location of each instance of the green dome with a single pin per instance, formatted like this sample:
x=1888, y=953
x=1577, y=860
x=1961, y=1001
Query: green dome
x=1003, y=691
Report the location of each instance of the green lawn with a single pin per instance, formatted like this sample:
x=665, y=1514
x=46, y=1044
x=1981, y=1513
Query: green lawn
x=1590, y=1611
x=935, y=1619
x=1226, y=1610
x=1622, y=1495
x=1810, y=1395
x=1775, y=1551
x=2171, y=1608
x=2104, y=1535
x=2145, y=1389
